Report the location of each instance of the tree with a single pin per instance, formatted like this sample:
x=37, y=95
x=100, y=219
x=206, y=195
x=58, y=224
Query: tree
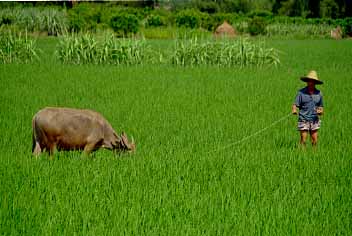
x=329, y=9
x=314, y=8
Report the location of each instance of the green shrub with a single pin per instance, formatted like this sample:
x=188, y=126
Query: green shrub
x=6, y=20
x=83, y=17
x=207, y=6
x=348, y=26
x=124, y=24
x=189, y=18
x=155, y=21
x=260, y=13
x=257, y=26
x=217, y=19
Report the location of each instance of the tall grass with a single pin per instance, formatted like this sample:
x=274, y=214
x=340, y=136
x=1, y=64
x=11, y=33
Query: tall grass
x=83, y=49
x=240, y=52
x=302, y=31
x=17, y=48
x=49, y=20
x=88, y=49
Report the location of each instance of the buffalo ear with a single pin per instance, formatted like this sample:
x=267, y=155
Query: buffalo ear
x=125, y=141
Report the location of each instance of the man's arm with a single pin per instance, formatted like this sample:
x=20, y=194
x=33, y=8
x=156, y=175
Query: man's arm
x=294, y=109
x=320, y=111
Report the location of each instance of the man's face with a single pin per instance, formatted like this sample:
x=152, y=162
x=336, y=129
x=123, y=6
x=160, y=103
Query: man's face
x=311, y=83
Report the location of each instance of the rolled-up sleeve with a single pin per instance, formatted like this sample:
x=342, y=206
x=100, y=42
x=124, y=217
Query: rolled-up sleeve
x=298, y=100
x=320, y=102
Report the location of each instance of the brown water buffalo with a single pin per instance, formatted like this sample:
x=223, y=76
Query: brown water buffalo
x=75, y=129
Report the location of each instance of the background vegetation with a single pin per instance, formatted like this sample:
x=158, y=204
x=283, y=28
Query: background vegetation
x=142, y=18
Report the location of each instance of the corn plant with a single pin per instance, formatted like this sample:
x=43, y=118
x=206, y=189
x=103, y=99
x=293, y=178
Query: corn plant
x=299, y=30
x=17, y=48
x=52, y=21
x=87, y=49
x=239, y=52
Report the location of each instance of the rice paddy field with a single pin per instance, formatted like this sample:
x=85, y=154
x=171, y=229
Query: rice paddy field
x=189, y=174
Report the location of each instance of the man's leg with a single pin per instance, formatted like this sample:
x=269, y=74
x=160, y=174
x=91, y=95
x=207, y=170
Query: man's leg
x=304, y=134
x=314, y=137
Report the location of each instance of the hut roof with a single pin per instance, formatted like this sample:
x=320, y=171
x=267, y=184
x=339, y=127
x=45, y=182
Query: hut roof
x=225, y=29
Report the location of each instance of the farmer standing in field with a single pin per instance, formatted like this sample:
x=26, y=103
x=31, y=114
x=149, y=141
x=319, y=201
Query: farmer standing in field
x=309, y=101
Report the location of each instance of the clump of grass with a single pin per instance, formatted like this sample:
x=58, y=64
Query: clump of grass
x=85, y=49
x=239, y=52
x=17, y=48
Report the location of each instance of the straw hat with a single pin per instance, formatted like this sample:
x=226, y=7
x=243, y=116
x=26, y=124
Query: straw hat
x=312, y=76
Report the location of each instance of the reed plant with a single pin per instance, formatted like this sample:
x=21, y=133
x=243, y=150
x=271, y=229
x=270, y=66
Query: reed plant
x=283, y=30
x=86, y=48
x=241, y=52
x=49, y=20
x=17, y=48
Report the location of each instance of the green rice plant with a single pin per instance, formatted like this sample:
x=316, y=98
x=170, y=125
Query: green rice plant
x=187, y=177
x=17, y=48
x=239, y=52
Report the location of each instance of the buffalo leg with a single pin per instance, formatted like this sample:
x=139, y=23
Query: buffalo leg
x=89, y=148
x=37, y=150
x=52, y=149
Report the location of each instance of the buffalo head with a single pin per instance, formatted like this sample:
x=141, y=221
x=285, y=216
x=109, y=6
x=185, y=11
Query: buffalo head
x=124, y=144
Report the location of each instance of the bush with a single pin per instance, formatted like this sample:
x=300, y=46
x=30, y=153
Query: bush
x=260, y=13
x=83, y=17
x=346, y=25
x=124, y=24
x=6, y=20
x=188, y=18
x=217, y=19
x=207, y=6
x=155, y=21
x=257, y=26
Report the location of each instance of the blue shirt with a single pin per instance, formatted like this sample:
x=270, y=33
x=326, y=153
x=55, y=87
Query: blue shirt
x=308, y=103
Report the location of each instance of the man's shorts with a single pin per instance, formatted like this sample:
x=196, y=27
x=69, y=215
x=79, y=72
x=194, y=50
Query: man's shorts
x=308, y=125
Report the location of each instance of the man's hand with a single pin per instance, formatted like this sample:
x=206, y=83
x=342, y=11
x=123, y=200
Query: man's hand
x=320, y=111
x=294, y=110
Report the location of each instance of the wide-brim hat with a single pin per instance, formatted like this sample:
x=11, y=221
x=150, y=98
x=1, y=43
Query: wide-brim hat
x=312, y=76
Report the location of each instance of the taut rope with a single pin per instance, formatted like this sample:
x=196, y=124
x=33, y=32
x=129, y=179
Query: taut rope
x=252, y=135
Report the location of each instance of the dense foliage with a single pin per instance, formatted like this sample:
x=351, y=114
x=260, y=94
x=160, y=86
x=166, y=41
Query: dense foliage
x=127, y=21
x=257, y=26
x=124, y=24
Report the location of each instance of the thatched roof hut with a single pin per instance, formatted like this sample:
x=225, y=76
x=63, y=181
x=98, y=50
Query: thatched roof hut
x=336, y=33
x=225, y=30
